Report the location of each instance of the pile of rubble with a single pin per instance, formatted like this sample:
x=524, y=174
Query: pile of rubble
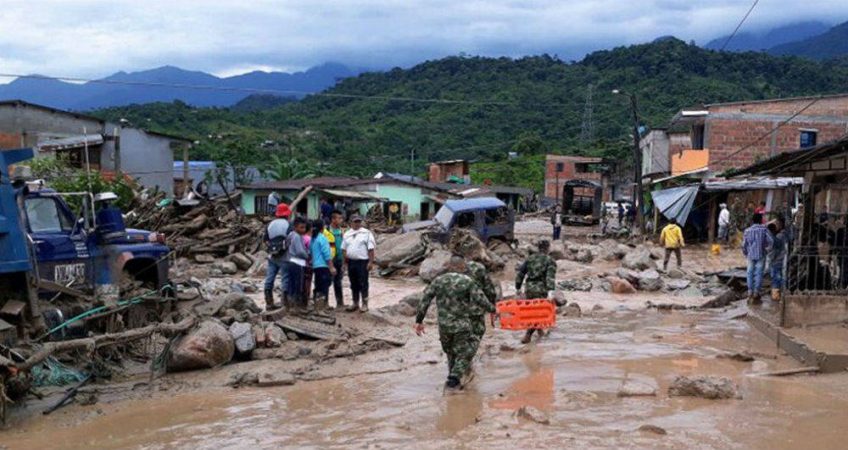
x=414, y=253
x=638, y=271
x=212, y=227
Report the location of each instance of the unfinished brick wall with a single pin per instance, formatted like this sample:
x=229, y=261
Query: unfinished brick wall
x=569, y=172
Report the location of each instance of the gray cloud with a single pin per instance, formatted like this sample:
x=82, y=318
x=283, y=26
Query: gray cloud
x=91, y=38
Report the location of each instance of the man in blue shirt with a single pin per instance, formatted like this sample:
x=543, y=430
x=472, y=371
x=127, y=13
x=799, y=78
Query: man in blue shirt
x=756, y=242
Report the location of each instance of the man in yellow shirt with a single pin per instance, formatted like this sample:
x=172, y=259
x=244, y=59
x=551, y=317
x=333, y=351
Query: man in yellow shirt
x=672, y=239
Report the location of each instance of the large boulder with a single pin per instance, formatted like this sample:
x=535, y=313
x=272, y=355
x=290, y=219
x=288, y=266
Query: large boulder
x=259, y=266
x=630, y=275
x=650, y=280
x=243, y=337
x=582, y=285
x=240, y=302
x=466, y=243
x=638, y=259
x=558, y=251
x=435, y=265
x=704, y=386
x=620, y=286
x=226, y=267
x=398, y=247
x=209, y=345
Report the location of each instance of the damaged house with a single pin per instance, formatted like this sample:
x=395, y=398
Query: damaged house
x=84, y=140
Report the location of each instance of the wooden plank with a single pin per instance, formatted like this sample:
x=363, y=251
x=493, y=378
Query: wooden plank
x=310, y=328
x=788, y=372
x=56, y=287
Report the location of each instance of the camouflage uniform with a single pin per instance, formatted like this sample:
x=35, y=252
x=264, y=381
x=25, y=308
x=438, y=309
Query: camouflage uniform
x=540, y=270
x=460, y=304
x=478, y=273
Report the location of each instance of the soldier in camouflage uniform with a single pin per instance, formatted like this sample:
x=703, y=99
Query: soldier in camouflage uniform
x=478, y=273
x=460, y=304
x=540, y=271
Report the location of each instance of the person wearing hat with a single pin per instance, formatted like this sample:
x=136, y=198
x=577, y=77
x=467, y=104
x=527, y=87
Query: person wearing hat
x=275, y=238
x=358, y=247
x=723, y=223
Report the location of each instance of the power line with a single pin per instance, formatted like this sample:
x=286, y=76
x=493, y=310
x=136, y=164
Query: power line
x=729, y=38
x=265, y=91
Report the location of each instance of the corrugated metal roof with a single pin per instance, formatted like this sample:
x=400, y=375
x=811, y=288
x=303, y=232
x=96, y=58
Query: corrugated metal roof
x=71, y=142
x=676, y=202
x=353, y=194
x=784, y=162
x=751, y=184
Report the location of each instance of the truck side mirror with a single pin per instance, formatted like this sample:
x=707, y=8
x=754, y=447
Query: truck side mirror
x=79, y=226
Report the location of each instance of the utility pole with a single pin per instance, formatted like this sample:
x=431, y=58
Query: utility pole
x=637, y=160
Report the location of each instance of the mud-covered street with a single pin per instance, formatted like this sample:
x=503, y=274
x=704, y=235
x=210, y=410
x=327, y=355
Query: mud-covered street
x=601, y=379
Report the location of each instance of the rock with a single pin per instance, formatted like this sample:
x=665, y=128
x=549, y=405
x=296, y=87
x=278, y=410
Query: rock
x=743, y=356
x=582, y=285
x=203, y=258
x=647, y=428
x=620, y=286
x=242, y=261
x=722, y=300
x=435, y=265
x=274, y=336
x=292, y=336
x=243, y=337
x=621, y=251
x=638, y=259
x=466, y=243
x=584, y=256
x=704, y=386
x=650, y=280
x=225, y=267
x=209, y=345
x=399, y=247
x=676, y=273
x=559, y=298
x=240, y=302
x=630, y=275
x=677, y=284
x=597, y=308
x=413, y=299
x=259, y=266
x=572, y=310
x=533, y=414
x=258, y=331
x=404, y=309
x=507, y=348
x=657, y=253
x=271, y=379
x=638, y=387
x=557, y=251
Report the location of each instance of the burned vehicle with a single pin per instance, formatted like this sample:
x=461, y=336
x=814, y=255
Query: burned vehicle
x=489, y=218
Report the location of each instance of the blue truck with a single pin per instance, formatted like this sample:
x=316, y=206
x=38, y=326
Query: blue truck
x=50, y=250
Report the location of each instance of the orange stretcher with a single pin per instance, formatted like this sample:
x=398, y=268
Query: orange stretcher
x=519, y=314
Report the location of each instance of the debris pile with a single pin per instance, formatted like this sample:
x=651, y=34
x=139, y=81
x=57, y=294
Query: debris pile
x=204, y=227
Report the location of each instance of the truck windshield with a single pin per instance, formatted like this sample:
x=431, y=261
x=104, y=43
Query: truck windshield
x=44, y=216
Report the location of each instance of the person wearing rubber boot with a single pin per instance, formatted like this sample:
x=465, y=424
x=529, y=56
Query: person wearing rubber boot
x=460, y=302
x=540, y=272
x=478, y=273
x=275, y=239
x=358, y=247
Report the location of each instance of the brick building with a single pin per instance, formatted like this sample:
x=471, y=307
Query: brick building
x=559, y=169
x=712, y=137
x=442, y=171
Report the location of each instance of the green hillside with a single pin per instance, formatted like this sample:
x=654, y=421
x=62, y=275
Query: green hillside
x=531, y=105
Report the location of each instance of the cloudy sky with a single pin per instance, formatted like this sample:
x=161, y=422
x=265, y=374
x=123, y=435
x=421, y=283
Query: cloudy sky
x=88, y=38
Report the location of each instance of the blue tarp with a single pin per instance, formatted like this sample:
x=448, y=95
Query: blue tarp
x=676, y=202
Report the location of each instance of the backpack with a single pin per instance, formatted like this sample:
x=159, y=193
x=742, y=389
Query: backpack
x=278, y=246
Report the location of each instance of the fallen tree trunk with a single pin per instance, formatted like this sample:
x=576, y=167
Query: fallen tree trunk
x=104, y=340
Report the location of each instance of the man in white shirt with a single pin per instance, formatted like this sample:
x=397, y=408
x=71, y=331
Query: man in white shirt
x=723, y=223
x=358, y=248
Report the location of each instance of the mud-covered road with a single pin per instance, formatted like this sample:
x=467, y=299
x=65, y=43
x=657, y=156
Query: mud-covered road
x=394, y=398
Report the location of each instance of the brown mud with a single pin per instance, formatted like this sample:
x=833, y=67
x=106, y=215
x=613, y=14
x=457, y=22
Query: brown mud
x=394, y=398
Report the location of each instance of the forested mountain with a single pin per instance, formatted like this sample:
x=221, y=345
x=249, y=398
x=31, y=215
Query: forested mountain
x=766, y=39
x=531, y=105
x=192, y=87
x=832, y=44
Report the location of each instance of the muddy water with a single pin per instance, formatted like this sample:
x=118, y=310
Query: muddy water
x=574, y=376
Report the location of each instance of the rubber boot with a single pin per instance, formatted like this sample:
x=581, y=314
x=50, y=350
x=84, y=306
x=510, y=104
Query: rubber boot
x=269, y=299
x=364, y=307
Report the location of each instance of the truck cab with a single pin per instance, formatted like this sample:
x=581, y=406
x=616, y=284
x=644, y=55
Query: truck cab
x=92, y=251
